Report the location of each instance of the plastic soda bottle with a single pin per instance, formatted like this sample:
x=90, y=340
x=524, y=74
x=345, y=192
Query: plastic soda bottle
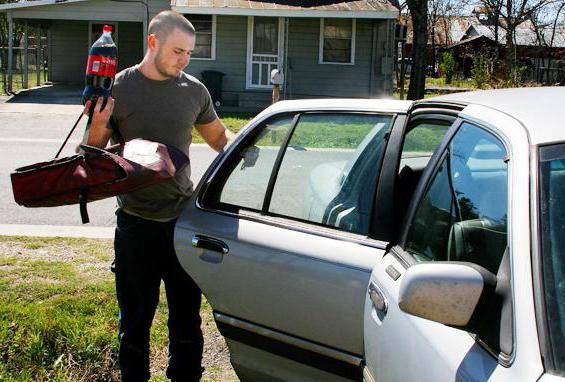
x=101, y=68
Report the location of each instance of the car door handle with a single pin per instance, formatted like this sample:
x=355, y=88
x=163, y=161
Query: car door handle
x=377, y=298
x=205, y=242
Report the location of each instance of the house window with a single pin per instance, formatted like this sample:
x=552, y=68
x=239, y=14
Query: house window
x=205, y=26
x=337, y=41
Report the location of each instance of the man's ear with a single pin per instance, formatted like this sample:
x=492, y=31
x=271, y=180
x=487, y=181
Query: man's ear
x=152, y=42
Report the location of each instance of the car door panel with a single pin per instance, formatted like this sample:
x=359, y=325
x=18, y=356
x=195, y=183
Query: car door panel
x=287, y=292
x=421, y=342
x=270, y=278
x=437, y=352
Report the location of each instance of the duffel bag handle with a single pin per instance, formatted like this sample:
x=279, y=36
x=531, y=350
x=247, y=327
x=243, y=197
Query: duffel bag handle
x=113, y=126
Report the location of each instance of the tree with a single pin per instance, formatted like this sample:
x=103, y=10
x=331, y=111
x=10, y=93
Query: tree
x=508, y=15
x=440, y=15
x=419, y=14
x=547, y=22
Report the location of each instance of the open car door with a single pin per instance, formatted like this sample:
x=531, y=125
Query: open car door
x=279, y=237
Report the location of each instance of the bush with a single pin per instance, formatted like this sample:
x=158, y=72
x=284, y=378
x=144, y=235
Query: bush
x=447, y=66
x=481, y=72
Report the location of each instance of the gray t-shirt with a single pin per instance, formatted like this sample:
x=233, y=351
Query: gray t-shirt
x=160, y=111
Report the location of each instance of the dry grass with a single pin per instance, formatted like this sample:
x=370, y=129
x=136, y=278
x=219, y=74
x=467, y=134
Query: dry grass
x=58, y=315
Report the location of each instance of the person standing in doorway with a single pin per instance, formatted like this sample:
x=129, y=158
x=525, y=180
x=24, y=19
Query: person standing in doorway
x=156, y=100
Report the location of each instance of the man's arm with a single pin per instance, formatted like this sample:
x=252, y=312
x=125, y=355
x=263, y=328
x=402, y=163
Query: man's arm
x=99, y=132
x=215, y=134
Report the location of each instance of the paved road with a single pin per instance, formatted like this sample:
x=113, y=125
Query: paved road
x=32, y=132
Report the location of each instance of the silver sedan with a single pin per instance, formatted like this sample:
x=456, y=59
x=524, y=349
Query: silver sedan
x=386, y=240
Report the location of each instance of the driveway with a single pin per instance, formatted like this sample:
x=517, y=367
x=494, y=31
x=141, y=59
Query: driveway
x=33, y=124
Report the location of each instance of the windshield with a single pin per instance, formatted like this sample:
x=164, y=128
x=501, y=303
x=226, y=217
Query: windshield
x=552, y=223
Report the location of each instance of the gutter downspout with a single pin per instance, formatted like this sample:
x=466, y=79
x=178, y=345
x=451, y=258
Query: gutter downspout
x=10, y=50
x=373, y=59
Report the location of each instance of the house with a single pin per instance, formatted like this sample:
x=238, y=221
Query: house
x=541, y=63
x=443, y=31
x=325, y=48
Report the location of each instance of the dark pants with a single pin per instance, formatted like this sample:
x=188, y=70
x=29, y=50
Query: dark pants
x=145, y=255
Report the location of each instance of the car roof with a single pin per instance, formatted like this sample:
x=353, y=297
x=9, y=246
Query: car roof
x=541, y=110
x=350, y=104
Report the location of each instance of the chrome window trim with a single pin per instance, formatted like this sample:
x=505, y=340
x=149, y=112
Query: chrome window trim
x=299, y=226
x=288, y=339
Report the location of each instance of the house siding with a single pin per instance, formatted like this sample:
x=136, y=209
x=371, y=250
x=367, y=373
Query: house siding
x=306, y=78
x=231, y=57
x=69, y=49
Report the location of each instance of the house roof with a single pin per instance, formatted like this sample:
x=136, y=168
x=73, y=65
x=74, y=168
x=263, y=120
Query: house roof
x=372, y=9
x=525, y=34
x=35, y=3
x=448, y=29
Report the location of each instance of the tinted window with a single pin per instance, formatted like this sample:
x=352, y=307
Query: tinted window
x=552, y=223
x=247, y=184
x=463, y=214
x=326, y=174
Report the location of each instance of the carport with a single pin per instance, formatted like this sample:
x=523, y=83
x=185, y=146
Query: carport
x=71, y=26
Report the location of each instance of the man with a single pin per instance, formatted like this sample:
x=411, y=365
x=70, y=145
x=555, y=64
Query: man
x=156, y=100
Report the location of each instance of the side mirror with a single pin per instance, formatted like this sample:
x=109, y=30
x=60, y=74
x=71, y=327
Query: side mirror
x=451, y=293
x=250, y=156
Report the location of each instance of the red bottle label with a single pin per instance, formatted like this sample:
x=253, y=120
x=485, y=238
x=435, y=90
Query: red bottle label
x=101, y=66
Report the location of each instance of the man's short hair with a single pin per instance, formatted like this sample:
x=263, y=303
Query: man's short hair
x=165, y=22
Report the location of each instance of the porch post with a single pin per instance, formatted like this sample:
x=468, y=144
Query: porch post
x=26, y=59
x=145, y=21
x=38, y=54
x=10, y=50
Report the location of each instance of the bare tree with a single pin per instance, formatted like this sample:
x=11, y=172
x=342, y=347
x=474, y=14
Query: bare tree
x=508, y=15
x=440, y=15
x=547, y=22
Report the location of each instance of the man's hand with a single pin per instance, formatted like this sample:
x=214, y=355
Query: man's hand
x=99, y=132
x=215, y=134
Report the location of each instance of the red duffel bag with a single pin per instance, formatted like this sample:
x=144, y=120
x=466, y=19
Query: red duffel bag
x=96, y=174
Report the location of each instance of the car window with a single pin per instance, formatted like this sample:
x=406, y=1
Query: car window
x=247, y=184
x=463, y=214
x=552, y=223
x=420, y=143
x=326, y=174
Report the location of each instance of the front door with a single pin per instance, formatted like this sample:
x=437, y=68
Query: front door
x=264, y=50
x=462, y=213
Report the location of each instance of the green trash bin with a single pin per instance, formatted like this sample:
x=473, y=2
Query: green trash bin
x=213, y=81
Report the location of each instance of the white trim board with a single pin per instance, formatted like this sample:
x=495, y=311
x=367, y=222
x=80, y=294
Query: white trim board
x=303, y=13
x=280, y=59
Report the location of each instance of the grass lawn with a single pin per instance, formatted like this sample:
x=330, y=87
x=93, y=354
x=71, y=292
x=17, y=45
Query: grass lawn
x=17, y=80
x=233, y=121
x=58, y=315
x=455, y=83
